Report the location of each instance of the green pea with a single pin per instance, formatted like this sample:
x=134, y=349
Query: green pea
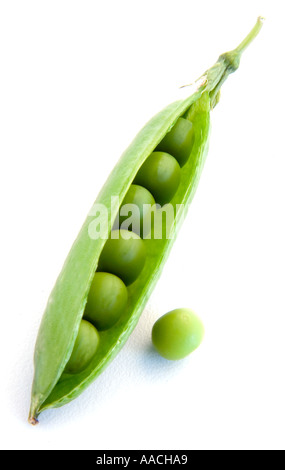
x=84, y=349
x=107, y=300
x=140, y=215
x=177, y=334
x=161, y=175
x=179, y=141
x=124, y=255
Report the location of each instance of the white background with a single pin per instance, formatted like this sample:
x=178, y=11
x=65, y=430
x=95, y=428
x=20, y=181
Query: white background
x=78, y=81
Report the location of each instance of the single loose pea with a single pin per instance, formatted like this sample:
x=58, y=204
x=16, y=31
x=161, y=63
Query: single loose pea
x=161, y=175
x=177, y=334
x=124, y=255
x=179, y=141
x=107, y=300
x=137, y=209
x=86, y=344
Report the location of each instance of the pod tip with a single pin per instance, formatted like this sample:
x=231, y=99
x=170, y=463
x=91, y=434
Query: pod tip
x=33, y=421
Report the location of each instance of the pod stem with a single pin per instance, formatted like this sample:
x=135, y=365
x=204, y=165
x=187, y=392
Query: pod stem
x=228, y=63
x=251, y=36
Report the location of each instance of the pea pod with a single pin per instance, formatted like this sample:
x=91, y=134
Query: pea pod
x=53, y=386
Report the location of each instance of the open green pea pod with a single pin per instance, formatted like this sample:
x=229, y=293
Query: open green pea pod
x=53, y=386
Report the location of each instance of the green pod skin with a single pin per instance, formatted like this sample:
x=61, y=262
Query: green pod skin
x=107, y=300
x=161, y=175
x=123, y=255
x=144, y=204
x=177, y=334
x=60, y=325
x=85, y=347
x=53, y=388
x=179, y=141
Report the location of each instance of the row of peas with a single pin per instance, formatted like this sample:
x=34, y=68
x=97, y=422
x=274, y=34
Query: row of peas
x=124, y=254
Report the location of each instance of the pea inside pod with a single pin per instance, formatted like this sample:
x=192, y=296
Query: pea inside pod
x=136, y=211
x=107, y=300
x=138, y=263
x=179, y=141
x=86, y=344
x=161, y=175
x=124, y=255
